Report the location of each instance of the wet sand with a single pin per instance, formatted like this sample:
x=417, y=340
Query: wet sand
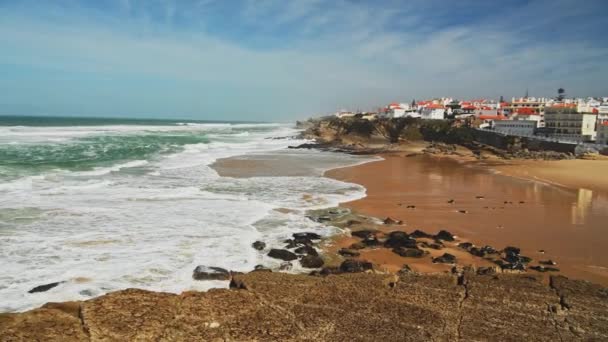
x=568, y=223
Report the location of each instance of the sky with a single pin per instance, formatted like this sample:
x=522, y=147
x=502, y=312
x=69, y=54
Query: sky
x=280, y=60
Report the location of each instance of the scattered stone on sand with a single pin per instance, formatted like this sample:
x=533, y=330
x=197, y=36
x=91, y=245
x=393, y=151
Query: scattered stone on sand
x=479, y=197
x=348, y=252
x=409, y=252
x=45, y=287
x=390, y=220
x=307, y=250
x=444, y=235
x=210, y=273
x=364, y=233
x=463, y=211
x=446, y=258
x=259, y=245
x=282, y=254
x=542, y=269
x=355, y=266
x=371, y=241
x=399, y=239
x=451, y=201
x=411, y=207
x=417, y=234
x=311, y=261
x=465, y=245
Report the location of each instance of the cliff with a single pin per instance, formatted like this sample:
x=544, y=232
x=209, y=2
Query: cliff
x=265, y=306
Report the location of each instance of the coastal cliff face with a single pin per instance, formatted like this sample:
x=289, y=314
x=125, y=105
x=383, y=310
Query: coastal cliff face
x=265, y=306
x=357, y=135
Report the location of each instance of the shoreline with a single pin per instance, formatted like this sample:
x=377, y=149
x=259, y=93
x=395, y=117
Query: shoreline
x=513, y=171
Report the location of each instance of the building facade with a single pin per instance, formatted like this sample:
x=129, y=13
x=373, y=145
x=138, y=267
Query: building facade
x=602, y=133
x=570, y=126
x=516, y=127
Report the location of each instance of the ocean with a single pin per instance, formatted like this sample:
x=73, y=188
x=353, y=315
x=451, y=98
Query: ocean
x=107, y=204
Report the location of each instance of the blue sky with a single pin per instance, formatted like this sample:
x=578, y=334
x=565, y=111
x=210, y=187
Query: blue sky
x=278, y=60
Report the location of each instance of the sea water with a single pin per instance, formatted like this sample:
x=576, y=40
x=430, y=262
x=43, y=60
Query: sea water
x=107, y=204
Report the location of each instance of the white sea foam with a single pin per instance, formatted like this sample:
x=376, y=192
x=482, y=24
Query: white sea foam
x=149, y=223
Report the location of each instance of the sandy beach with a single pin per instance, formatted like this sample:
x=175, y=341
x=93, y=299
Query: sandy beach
x=508, y=204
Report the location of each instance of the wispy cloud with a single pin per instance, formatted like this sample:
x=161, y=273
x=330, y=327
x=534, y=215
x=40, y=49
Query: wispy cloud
x=276, y=59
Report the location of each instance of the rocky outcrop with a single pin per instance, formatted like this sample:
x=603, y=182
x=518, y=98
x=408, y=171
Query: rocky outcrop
x=265, y=306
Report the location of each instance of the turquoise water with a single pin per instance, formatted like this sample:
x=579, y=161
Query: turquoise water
x=79, y=144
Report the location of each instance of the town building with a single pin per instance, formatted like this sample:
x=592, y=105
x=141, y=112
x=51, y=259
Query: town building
x=516, y=127
x=602, y=133
x=433, y=112
x=566, y=124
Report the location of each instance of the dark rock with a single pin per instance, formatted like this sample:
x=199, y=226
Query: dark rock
x=285, y=266
x=323, y=219
x=354, y=266
x=478, y=252
x=399, y=239
x=463, y=211
x=446, y=258
x=511, y=250
x=517, y=266
x=364, y=234
x=348, y=252
x=261, y=268
x=409, y=252
x=307, y=235
x=357, y=245
x=465, y=245
x=308, y=250
x=489, y=250
x=259, y=245
x=479, y=197
x=371, y=241
x=210, y=273
x=547, y=262
x=303, y=241
x=329, y=270
x=435, y=245
x=420, y=234
x=311, y=261
x=444, y=235
x=390, y=220
x=543, y=269
x=282, y=254
x=45, y=287
x=411, y=207
x=451, y=201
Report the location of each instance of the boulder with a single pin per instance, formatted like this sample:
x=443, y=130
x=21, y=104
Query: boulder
x=446, y=258
x=311, y=261
x=511, y=250
x=308, y=250
x=259, y=245
x=420, y=234
x=465, y=245
x=444, y=235
x=542, y=269
x=399, y=239
x=282, y=254
x=261, y=268
x=405, y=270
x=547, y=262
x=348, y=252
x=409, y=252
x=45, y=287
x=210, y=273
x=307, y=235
x=355, y=266
x=370, y=241
x=364, y=233
x=486, y=270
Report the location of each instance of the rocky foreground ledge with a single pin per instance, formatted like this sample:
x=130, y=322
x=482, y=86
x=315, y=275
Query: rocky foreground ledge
x=266, y=306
